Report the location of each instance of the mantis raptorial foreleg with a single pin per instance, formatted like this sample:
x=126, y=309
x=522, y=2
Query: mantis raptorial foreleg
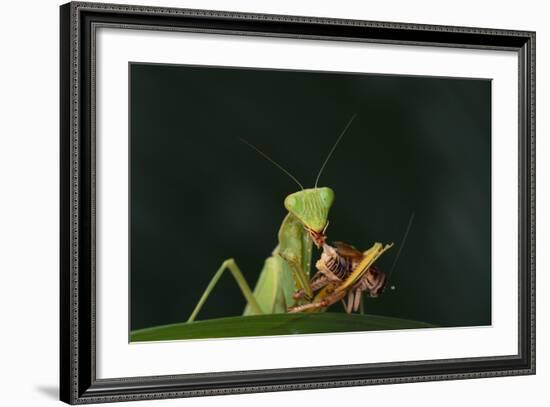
x=230, y=265
x=299, y=274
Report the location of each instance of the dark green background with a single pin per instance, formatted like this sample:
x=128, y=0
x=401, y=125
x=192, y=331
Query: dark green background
x=199, y=196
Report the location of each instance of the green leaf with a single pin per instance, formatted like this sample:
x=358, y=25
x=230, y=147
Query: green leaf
x=273, y=324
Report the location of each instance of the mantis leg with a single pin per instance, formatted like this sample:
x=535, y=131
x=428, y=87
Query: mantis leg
x=300, y=276
x=230, y=265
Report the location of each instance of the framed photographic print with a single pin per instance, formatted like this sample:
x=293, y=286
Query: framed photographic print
x=242, y=193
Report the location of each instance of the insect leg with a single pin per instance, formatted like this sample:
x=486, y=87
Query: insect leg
x=230, y=265
x=311, y=306
x=316, y=305
x=344, y=304
x=358, y=297
x=350, y=302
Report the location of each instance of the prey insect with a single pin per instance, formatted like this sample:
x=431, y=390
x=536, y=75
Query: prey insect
x=288, y=267
x=344, y=271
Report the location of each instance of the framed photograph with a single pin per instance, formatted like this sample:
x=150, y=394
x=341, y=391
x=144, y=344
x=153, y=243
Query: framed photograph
x=256, y=203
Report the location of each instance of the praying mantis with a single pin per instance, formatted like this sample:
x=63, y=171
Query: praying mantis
x=284, y=284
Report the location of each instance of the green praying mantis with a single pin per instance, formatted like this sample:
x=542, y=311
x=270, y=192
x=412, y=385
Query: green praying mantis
x=284, y=283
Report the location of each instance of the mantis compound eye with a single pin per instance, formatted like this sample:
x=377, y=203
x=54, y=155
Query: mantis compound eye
x=290, y=201
x=327, y=196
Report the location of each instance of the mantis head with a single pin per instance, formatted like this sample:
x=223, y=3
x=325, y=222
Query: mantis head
x=311, y=207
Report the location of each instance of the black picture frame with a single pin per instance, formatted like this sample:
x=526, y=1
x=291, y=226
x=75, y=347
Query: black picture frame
x=78, y=382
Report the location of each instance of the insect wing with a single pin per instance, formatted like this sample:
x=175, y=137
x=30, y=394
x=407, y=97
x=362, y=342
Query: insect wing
x=347, y=250
x=370, y=256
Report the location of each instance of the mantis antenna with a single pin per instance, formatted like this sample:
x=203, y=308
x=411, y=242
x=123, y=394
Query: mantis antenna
x=411, y=218
x=272, y=162
x=334, y=148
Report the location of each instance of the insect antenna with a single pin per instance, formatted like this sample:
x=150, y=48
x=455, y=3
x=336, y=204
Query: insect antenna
x=272, y=161
x=411, y=218
x=334, y=148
